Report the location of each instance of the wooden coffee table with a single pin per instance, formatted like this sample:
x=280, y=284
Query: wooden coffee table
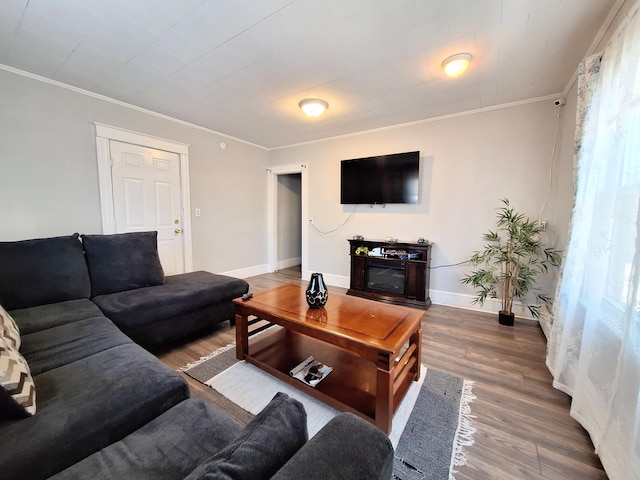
x=374, y=348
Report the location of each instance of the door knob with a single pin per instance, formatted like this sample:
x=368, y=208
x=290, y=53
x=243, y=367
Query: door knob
x=177, y=230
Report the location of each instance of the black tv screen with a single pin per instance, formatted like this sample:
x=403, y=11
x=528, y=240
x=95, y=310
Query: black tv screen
x=381, y=179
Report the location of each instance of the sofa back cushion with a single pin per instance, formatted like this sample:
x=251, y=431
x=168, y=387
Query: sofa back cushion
x=123, y=261
x=42, y=271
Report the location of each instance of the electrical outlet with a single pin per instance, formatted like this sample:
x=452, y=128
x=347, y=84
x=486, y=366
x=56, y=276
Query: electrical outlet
x=197, y=212
x=543, y=224
x=311, y=220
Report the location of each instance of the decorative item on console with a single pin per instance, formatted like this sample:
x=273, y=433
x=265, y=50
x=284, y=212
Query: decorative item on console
x=317, y=293
x=401, y=254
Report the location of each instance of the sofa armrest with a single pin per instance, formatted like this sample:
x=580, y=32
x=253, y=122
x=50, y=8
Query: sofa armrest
x=348, y=447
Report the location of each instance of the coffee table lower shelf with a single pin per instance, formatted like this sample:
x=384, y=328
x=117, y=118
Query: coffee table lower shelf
x=352, y=384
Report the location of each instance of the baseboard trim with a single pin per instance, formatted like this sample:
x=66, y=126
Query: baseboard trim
x=336, y=280
x=289, y=262
x=248, y=272
x=438, y=297
x=465, y=301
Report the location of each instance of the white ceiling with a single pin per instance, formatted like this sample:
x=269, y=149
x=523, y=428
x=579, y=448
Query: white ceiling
x=240, y=67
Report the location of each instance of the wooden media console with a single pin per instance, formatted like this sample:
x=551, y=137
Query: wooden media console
x=391, y=272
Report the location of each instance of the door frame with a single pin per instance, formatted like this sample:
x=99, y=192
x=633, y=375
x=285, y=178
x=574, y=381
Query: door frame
x=105, y=133
x=272, y=214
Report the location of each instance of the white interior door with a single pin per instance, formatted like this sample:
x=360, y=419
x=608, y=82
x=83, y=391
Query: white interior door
x=146, y=196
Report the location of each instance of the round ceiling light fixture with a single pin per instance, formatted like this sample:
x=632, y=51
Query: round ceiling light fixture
x=313, y=107
x=457, y=64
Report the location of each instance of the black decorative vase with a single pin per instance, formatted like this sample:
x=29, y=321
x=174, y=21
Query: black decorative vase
x=505, y=318
x=317, y=293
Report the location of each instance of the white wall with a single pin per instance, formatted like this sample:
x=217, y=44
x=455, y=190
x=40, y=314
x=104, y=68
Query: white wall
x=49, y=180
x=468, y=163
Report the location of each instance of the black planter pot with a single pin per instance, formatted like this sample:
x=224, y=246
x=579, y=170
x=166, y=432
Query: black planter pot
x=505, y=318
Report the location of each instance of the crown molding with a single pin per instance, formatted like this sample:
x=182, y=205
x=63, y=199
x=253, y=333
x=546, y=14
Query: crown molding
x=120, y=103
x=425, y=120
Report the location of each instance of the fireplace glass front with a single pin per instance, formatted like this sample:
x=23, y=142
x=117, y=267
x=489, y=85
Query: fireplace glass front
x=386, y=277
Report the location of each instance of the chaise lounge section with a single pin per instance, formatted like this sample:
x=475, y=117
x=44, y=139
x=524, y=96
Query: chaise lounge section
x=184, y=305
x=129, y=286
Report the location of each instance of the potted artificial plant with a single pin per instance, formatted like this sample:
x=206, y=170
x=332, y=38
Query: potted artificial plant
x=511, y=261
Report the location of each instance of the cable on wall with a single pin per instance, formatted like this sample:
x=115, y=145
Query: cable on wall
x=451, y=264
x=338, y=227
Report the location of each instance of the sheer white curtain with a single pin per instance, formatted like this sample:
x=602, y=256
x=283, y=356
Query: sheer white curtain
x=594, y=343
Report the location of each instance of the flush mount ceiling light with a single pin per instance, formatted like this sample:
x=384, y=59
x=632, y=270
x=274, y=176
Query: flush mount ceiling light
x=457, y=64
x=313, y=107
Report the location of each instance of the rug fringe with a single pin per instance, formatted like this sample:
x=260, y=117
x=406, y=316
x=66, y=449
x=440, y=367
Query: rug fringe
x=465, y=430
x=215, y=353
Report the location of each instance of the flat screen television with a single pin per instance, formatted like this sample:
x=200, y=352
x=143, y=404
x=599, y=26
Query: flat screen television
x=381, y=179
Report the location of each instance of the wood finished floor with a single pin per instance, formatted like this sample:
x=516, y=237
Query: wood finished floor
x=524, y=430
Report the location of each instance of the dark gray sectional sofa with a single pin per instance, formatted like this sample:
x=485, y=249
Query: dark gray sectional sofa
x=107, y=408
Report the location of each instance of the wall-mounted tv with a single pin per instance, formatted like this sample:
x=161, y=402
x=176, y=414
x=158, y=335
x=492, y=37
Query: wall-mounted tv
x=381, y=179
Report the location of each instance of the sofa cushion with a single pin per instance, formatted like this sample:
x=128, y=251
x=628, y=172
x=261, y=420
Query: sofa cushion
x=179, y=294
x=167, y=331
x=39, y=318
x=86, y=405
x=57, y=346
x=123, y=261
x=17, y=391
x=167, y=448
x=9, y=330
x=264, y=445
x=41, y=271
x=346, y=447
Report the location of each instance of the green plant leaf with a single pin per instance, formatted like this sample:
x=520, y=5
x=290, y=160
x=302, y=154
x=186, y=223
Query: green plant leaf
x=511, y=260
